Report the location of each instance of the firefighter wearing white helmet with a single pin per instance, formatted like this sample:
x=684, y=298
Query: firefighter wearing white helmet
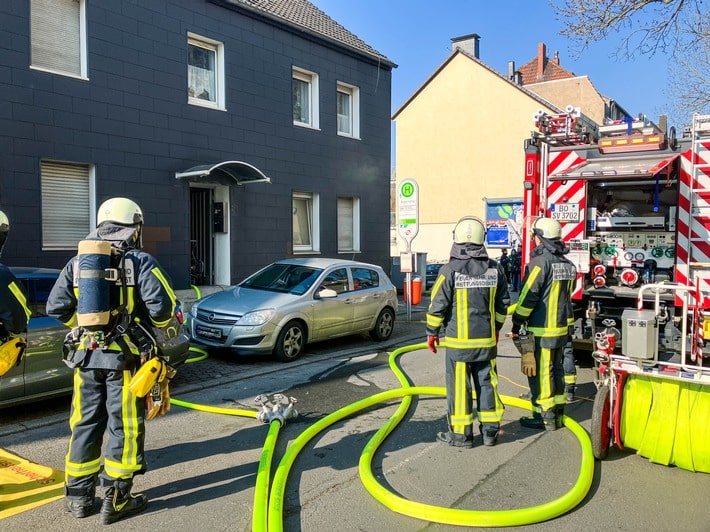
x=545, y=308
x=14, y=313
x=105, y=357
x=469, y=301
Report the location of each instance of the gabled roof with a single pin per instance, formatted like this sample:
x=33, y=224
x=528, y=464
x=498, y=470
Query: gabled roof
x=457, y=51
x=305, y=17
x=541, y=68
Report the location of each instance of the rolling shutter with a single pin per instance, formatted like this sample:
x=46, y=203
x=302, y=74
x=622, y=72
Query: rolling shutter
x=65, y=204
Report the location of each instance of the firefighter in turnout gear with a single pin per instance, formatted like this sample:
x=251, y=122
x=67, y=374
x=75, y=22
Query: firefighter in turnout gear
x=105, y=357
x=545, y=305
x=469, y=301
x=14, y=313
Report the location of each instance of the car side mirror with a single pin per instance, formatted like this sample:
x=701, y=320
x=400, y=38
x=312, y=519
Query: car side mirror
x=326, y=293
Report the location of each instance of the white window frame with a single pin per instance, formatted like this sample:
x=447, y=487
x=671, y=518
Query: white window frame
x=48, y=45
x=348, y=224
x=354, y=110
x=218, y=49
x=311, y=80
x=312, y=203
x=67, y=221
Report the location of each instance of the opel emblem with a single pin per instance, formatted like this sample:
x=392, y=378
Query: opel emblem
x=211, y=317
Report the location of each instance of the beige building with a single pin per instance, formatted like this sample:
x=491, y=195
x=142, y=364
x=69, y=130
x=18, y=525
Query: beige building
x=460, y=137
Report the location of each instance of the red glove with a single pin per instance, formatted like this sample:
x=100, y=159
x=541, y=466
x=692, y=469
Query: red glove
x=432, y=342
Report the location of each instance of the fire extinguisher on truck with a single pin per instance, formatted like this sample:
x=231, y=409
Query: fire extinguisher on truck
x=633, y=201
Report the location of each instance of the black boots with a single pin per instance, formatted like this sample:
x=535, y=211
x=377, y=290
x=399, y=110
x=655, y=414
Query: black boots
x=119, y=503
x=80, y=508
x=547, y=421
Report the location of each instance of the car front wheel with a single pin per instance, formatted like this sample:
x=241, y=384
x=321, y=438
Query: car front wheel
x=290, y=342
x=383, y=326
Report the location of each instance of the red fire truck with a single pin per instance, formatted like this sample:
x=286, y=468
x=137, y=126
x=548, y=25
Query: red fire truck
x=634, y=205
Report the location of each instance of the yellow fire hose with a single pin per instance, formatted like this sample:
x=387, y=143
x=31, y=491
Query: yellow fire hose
x=273, y=519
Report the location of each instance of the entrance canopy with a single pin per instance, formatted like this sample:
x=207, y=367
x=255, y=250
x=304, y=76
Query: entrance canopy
x=241, y=172
x=606, y=167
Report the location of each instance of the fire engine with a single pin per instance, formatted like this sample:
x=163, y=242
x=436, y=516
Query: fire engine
x=633, y=201
x=634, y=204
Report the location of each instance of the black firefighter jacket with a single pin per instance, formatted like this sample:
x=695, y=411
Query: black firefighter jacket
x=14, y=313
x=469, y=300
x=150, y=300
x=545, y=301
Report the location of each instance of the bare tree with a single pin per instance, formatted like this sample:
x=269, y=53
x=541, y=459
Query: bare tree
x=678, y=28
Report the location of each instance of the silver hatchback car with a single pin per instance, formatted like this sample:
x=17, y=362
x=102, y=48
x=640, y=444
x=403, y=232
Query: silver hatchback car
x=293, y=302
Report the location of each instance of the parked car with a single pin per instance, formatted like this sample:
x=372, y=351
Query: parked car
x=432, y=272
x=290, y=303
x=42, y=373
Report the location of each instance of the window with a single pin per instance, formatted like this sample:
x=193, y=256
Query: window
x=305, y=98
x=305, y=222
x=65, y=222
x=348, y=110
x=348, y=225
x=365, y=278
x=336, y=280
x=58, y=36
x=205, y=72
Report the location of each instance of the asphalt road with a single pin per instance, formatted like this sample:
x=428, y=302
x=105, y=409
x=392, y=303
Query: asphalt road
x=203, y=466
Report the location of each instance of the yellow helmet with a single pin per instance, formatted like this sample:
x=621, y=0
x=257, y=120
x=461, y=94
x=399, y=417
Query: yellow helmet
x=546, y=228
x=120, y=210
x=470, y=229
x=4, y=229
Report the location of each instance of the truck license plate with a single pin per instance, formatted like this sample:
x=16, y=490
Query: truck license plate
x=565, y=212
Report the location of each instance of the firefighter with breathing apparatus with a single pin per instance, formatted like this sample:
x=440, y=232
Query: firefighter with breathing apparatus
x=121, y=307
x=545, y=308
x=14, y=313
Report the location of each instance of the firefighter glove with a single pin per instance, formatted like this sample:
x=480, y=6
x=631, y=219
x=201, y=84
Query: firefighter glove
x=157, y=402
x=516, y=329
x=432, y=342
x=527, y=364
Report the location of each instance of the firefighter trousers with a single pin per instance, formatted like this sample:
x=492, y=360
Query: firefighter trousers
x=547, y=387
x=103, y=401
x=459, y=396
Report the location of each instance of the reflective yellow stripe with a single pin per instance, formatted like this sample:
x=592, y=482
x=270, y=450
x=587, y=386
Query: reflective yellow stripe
x=21, y=299
x=570, y=379
x=129, y=418
x=461, y=313
x=460, y=417
x=434, y=321
x=171, y=295
x=73, y=469
x=463, y=343
x=545, y=401
x=549, y=332
x=524, y=311
x=437, y=285
x=553, y=302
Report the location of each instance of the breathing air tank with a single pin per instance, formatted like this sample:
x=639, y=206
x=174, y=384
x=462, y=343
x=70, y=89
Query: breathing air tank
x=93, y=305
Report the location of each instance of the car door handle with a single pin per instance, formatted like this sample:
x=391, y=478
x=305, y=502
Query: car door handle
x=348, y=301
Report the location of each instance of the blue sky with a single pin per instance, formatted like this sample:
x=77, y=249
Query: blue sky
x=416, y=35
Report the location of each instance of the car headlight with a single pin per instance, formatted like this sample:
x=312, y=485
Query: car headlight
x=193, y=310
x=258, y=317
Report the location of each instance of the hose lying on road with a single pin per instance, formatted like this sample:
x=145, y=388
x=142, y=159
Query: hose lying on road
x=273, y=520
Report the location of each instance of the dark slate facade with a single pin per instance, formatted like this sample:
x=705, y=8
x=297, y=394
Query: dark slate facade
x=131, y=120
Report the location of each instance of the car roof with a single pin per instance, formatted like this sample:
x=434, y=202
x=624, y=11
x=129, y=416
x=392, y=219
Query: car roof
x=27, y=272
x=322, y=262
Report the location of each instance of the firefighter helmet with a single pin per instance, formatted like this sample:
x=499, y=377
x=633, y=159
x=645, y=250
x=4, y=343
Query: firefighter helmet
x=546, y=228
x=121, y=211
x=469, y=230
x=4, y=229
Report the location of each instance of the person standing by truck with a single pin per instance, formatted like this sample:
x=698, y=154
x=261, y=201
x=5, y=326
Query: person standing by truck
x=545, y=307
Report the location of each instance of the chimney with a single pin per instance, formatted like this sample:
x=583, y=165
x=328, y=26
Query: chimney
x=541, y=58
x=467, y=44
x=518, y=78
x=557, y=58
x=511, y=70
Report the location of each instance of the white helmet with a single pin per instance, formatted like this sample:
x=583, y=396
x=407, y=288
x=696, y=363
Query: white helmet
x=121, y=211
x=4, y=229
x=470, y=229
x=546, y=228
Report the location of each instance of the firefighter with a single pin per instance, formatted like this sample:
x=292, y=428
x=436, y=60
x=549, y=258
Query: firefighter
x=469, y=300
x=102, y=398
x=14, y=313
x=545, y=304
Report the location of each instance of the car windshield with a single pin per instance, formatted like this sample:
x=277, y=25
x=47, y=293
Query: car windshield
x=288, y=278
